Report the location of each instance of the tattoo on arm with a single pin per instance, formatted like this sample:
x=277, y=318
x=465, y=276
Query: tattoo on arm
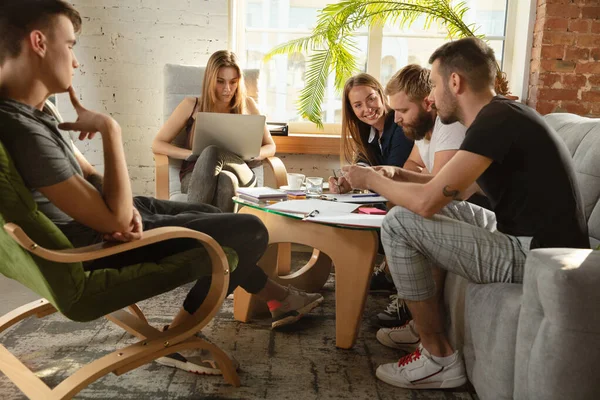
x=448, y=192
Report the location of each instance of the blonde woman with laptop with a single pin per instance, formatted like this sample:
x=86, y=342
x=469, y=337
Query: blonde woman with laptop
x=216, y=174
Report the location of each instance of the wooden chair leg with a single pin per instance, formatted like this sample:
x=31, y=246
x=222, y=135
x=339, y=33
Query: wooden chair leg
x=39, y=308
x=135, y=309
x=154, y=344
x=22, y=377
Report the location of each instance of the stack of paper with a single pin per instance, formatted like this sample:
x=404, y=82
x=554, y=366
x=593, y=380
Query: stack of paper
x=258, y=194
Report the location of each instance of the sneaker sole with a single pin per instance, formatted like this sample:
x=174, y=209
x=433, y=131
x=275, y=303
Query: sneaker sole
x=445, y=384
x=198, y=370
x=386, y=341
x=301, y=313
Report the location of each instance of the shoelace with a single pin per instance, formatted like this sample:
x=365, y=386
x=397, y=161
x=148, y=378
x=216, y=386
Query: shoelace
x=407, y=359
x=394, y=305
x=379, y=268
x=397, y=328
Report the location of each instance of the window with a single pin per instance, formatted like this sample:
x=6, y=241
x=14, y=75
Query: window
x=262, y=24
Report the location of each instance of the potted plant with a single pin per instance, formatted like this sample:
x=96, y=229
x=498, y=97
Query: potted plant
x=332, y=44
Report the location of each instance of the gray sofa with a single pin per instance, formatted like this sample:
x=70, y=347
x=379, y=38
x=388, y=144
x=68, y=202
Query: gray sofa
x=541, y=339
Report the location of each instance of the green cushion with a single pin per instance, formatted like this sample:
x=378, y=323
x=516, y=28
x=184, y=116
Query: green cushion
x=78, y=294
x=61, y=284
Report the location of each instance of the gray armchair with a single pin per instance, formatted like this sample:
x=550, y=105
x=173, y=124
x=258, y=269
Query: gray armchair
x=181, y=81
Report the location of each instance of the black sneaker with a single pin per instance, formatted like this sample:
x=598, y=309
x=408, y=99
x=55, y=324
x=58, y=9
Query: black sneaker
x=381, y=282
x=396, y=314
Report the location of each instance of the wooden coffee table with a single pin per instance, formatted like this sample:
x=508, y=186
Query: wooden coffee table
x=351, y=249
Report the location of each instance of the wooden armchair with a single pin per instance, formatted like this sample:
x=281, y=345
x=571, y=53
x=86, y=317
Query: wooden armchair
x=35, y=253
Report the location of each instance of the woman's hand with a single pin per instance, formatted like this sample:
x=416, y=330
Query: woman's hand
x=339, y=185
x=358, y=177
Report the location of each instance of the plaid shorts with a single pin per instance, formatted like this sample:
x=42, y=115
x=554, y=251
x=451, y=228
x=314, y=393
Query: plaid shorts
x=461, y=238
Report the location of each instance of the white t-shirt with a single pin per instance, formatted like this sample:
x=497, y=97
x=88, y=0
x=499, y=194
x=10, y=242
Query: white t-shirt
x=443, y=137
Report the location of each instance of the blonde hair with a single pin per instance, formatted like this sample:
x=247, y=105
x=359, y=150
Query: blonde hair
x=412, y=80
x=218, y=60
x=355, y=133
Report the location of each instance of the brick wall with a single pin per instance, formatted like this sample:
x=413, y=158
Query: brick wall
x=122, y=49
x=565, y=65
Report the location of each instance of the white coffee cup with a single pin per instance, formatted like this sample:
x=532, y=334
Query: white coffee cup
x=295, y=181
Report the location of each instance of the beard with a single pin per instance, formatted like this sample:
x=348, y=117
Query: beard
x=420, y=127
x=449, y=112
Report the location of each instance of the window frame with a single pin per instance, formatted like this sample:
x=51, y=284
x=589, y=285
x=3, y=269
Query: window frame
x=518, y=14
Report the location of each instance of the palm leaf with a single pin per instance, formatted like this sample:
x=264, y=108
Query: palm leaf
x=300, y=45
x=313, y=93
x=332, y=46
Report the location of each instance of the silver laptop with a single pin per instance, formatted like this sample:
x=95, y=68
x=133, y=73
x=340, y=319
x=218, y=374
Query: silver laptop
x=239, y=133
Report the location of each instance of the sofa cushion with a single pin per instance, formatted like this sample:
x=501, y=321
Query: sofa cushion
x=582, y=136
x=558, y=345
x=492, y=314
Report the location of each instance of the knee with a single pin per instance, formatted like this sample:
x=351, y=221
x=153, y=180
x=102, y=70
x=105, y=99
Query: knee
x=396, y=221
x=250, y=224
x=210, y=152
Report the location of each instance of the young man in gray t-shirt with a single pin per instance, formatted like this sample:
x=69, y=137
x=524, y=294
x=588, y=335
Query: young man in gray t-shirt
x=37, y=60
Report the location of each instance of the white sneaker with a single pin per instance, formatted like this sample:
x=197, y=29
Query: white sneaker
x=419, y=371
x=403, y=337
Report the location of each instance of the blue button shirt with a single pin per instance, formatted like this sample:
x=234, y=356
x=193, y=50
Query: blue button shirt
x=394, y=147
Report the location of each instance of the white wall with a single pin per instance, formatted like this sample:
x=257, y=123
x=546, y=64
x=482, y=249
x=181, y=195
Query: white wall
x=122, y=49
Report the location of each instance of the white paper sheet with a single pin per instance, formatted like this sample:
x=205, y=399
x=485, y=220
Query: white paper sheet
x=362, y=220
x=307, y=206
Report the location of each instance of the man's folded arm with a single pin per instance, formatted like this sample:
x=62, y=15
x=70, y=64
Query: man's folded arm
x=79, y=199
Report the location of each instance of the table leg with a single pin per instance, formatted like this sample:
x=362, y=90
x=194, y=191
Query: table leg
x=353, y=264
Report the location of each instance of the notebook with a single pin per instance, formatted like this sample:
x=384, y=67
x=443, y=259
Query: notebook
x=261, y=193
x=314, y=206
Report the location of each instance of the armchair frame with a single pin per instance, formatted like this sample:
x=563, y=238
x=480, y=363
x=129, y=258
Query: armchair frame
x=153, y=343
x=161, y=174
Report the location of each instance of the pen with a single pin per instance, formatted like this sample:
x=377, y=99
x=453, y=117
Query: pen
x=336, y=181
x=366, y=195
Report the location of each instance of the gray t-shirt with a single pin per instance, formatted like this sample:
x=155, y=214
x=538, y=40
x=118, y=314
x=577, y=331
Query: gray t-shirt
x=44, y=156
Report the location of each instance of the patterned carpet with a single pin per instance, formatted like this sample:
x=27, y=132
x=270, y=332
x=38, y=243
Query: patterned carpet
x=299, y=362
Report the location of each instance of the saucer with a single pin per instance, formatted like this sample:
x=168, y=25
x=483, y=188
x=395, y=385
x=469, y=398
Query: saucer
x=287, y=187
